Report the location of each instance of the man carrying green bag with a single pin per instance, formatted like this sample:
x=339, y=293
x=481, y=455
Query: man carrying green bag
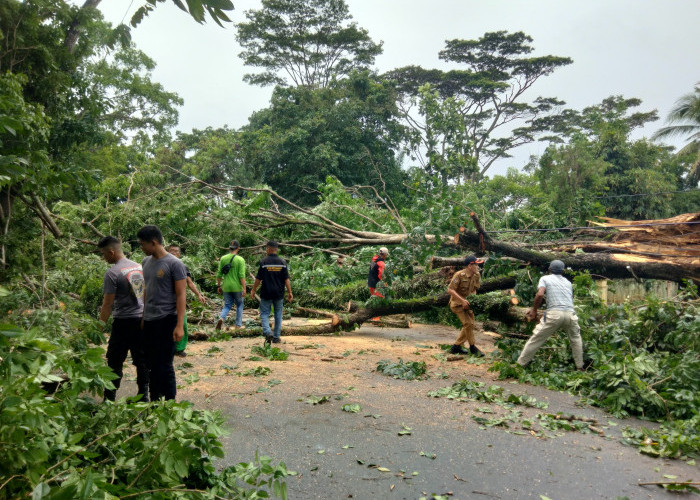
x=232, y=272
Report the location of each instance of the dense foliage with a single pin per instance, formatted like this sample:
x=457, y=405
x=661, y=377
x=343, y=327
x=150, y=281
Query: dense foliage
x=64, y=444
x=645, y=361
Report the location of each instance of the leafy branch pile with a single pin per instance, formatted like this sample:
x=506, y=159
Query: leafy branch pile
x=410, y=370
x=468, y=390
x=645, y=362
x=66, y=445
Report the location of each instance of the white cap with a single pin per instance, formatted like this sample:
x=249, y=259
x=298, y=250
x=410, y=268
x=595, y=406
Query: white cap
x=384, y=250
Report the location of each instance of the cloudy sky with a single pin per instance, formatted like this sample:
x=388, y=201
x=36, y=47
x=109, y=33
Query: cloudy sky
x=648, y=49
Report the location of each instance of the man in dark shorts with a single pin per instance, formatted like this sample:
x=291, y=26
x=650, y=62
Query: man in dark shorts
x=274, y=276
x=123, y=299
x=165, y=277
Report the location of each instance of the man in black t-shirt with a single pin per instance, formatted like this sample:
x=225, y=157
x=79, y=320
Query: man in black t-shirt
x=274, y=276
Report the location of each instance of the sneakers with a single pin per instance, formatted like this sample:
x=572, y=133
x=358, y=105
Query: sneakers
x=219, y=324
x=458, y=349
x=276, y=340
x=268, y=340
x=180, y=354
x=475, y=351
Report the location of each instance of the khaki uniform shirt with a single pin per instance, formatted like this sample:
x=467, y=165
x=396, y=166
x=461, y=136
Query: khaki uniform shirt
x=464, y=284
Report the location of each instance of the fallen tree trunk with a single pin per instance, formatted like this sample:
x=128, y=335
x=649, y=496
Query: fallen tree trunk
x=490, y=285
x=499, y=306
x=315, y=313
x=608, y=265
x=391, y=322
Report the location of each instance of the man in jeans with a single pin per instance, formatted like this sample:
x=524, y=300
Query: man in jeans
x=233, y=287
x=165, y=277
x=274, y=276
x=124, y=301
x=560, y=314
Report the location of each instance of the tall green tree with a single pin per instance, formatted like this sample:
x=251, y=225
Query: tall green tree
x=684, y=120
x=470, y=117
x=78, y=105
x=348, y=130
x=594, y=168
x=303, y=42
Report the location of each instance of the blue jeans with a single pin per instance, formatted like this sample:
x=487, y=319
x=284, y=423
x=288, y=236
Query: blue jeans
x=265, y=306
x=229, y=299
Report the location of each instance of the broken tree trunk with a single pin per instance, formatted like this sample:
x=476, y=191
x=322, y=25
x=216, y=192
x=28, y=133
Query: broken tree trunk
x=497, y=305
x=490, y=285
x=316, y=313
x=608, y=265
x=391, y=322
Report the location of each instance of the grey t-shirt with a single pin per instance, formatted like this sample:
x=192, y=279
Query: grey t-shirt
x=126, y=304
x=558, y=292
x=160, y=276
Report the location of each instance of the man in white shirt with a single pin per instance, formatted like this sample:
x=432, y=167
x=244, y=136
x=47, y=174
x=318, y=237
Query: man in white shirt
x=560, y=314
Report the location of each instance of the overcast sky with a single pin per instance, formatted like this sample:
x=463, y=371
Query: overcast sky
x=635, y=48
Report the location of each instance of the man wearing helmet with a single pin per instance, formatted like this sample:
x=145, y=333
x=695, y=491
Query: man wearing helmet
x=560, y=314
x=376, y=270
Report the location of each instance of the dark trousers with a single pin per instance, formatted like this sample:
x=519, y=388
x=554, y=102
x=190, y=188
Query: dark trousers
x=127, y=336
x=160, y=350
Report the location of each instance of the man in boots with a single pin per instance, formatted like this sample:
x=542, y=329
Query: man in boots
x=123, y=299
x=464, y=283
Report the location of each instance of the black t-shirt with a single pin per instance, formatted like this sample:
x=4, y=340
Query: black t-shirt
x=273, y=273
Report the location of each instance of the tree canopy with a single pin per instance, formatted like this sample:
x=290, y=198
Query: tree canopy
x=461, y=111
x=303, y=43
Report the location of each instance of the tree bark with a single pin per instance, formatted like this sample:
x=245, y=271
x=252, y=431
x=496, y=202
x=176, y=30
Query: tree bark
x=73, y=33
x=608, y=265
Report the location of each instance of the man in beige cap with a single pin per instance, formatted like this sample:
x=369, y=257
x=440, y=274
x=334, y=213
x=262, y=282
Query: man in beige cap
x=464, y=283
x=376, y=270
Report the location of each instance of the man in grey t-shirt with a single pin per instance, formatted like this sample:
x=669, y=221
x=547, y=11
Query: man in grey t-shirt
x=560, y=313
x=122, y=283
x=164, y=310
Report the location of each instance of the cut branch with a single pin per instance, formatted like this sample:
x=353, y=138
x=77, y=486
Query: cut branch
x=608, y=265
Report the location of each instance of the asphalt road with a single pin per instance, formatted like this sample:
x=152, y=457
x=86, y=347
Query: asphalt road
x=338, y=455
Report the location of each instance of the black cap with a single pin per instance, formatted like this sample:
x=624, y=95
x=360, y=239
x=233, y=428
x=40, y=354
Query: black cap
x=273, y=244
x=234, y=244
x=470, y=259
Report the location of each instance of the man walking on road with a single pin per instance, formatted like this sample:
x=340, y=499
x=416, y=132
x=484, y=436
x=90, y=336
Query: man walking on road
x=464, y=283
x=232, y=271
x=123, y=299
x=165, y=277
x=182, y=344
x=274, y=276
x=560, y=314
x=376, y=271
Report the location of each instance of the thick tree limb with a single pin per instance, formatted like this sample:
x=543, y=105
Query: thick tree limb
x=35, y=204
x=608, y=265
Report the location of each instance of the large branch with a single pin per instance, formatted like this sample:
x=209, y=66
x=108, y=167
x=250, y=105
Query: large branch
x=608, y=265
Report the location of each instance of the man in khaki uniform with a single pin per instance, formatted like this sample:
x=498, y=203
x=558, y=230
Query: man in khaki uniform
x=464, y=283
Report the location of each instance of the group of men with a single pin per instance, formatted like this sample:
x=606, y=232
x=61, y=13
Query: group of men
x=554, y=287
x=148, y=304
